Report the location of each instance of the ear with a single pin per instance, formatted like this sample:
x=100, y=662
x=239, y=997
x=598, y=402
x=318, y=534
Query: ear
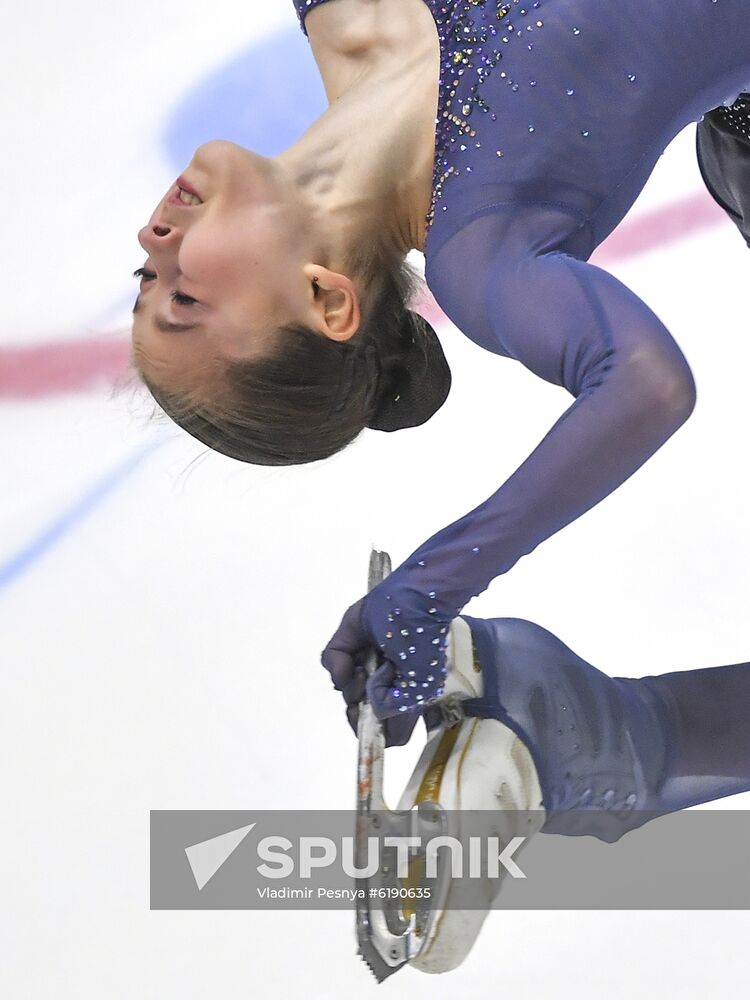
x=335, y=301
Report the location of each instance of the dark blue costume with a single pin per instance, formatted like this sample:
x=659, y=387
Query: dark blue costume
x=550, y=119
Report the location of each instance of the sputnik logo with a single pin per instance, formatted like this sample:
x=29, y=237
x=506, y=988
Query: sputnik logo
x=207, y=857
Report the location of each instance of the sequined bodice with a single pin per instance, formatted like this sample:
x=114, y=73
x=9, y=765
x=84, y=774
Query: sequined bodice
x=465, y=29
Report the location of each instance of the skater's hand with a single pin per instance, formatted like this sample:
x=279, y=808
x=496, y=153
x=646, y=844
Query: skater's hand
x=344, y=658
x=410, y=632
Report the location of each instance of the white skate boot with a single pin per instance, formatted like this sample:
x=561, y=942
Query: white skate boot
x=475, y=764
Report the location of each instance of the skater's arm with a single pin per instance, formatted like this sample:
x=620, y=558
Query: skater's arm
x=576, y=326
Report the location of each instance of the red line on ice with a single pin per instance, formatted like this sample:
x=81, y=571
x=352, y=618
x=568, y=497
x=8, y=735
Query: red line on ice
x=45, y=369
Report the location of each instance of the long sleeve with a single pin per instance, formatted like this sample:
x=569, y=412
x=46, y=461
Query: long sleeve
x=576, y=326
x=572, y=324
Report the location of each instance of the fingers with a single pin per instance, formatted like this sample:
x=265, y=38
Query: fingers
x=346, y=649
x=344, y=658
x=354, y=690
x=352, y=715
x=398, y=729
x=340, y=666
x=378, y=687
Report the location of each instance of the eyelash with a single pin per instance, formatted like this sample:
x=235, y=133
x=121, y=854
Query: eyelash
x=178, y=297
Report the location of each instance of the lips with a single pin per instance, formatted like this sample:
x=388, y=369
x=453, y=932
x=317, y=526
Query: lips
x=184, y=195
x=176, y=198
x=182, y=183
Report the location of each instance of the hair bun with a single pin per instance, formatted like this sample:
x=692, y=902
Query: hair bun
x=417, y=384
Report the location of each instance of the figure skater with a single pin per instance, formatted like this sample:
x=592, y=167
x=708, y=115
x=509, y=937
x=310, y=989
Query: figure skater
x=504, y=140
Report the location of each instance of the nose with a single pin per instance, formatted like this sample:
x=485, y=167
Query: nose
x=156, y=238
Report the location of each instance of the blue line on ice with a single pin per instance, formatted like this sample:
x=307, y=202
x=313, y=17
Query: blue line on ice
x=62, y=525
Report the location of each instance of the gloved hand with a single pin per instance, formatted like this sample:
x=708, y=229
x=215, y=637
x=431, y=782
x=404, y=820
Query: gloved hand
x=344, y=658
x=410, y=632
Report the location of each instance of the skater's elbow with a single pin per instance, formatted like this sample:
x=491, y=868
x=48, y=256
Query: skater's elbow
x=664, y=386
x=675, y=392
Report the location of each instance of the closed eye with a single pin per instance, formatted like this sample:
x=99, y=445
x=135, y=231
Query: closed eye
x=175, y=296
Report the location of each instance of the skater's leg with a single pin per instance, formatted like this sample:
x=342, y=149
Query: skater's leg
x=628, y=747
x=708, y=736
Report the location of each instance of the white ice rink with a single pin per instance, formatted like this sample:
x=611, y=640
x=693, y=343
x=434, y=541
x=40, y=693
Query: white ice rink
x=162, y=608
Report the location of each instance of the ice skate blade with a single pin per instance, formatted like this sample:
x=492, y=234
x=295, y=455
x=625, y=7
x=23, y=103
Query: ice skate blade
x=377, y=966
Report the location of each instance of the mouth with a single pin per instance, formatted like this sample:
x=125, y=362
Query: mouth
x=184, y=194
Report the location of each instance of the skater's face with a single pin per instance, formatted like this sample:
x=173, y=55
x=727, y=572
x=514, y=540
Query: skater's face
x=235, y=259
